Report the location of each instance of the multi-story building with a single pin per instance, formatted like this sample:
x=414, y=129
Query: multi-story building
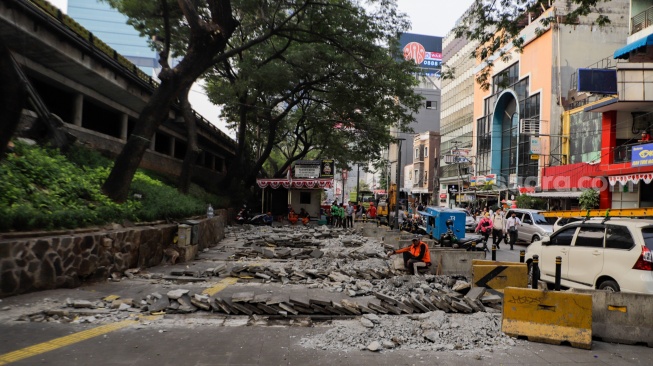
x=624, y=172
x=456, y=120
x=426, y=51
x=424, y=167
x=518, y=120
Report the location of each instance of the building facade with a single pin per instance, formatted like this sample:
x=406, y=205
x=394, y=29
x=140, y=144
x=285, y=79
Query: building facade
x=424, y=166
x=518, y=129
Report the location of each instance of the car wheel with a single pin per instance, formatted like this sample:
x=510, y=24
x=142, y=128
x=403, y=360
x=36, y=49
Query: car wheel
x=535, y=238
x=609, y=285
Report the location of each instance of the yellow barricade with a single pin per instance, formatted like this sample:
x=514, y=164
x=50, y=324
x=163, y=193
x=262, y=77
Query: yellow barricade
x=485, y=262
x=499, y=276
x=548, y=316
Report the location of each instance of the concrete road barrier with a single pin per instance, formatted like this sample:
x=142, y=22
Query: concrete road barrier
x=548, y=316
x=453, y=261
x=621, y=317
x=496, y=277
x=371, y=230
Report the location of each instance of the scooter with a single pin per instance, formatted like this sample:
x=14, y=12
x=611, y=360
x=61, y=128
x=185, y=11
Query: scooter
x=449, y=239
x=243, y=216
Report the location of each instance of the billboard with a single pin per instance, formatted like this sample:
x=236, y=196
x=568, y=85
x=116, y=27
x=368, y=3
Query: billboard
x=597, y=81
x=425, y=51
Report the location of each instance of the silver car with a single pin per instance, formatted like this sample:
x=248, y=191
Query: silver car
x=470, y=223
x=534, y=226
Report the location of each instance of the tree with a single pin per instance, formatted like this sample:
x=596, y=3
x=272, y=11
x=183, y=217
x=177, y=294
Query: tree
x=200, y=31
x=526, y=201
x=589, y=199
x=325, y=89
x=495, y=24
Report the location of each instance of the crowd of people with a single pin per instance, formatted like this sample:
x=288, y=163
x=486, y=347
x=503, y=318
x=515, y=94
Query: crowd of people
x=339, y=215
x=496, y=223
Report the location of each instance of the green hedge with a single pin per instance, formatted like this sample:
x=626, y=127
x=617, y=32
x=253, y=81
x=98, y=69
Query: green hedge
x=41, y=189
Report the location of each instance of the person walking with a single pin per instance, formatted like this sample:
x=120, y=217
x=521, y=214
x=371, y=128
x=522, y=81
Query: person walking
x=350, y=215
x=334, y=214
x=498, y=227
x=512, y=226
x=485, y=228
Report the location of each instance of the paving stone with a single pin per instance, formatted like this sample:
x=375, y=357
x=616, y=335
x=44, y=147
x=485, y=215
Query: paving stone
x=79, y=304
x=201, y=304
x=267, y=309
x=475, y=293
x=242, y=297
x=295, y=300
x=175, y=294
x=317, y=253
x=461, y=306
x=287, y=307
x=160, y=304
x=367, y=323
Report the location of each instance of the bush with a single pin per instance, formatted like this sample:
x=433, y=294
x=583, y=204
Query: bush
x=41, y=189
x=526, y=201
x=589, y=199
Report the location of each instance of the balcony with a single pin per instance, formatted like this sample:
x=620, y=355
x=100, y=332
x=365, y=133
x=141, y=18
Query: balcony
x=641, y=21
x=623, y=152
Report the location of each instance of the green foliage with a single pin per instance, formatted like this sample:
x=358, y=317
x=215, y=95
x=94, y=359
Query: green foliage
x=41, y=189
x=589, y=199
x=526, y=201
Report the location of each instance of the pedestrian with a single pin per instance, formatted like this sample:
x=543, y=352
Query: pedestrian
x=350, y=215
x=341, y=215
x=485, y=228
x=334, y=214
x=416, y=255
x=512, y=226
x=304, y=216
x=498, y=227
x=371, y=213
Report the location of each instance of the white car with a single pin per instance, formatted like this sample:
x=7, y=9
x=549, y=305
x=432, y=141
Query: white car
x=615, y=255
x=470, y=223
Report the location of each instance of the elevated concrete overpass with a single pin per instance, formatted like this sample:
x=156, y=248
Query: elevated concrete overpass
x=99, y=93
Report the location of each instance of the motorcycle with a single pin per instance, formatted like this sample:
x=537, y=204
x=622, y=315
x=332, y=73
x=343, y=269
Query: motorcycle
x=243, y=216
x=449, y=239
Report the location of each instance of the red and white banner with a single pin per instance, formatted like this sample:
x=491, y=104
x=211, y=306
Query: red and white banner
x=634, y=178
x=295, y=183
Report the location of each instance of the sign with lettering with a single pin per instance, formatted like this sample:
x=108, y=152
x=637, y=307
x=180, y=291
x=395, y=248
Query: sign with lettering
x=642, y=155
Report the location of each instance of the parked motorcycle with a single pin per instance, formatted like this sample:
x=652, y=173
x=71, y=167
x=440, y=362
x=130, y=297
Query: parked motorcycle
x=449, y=239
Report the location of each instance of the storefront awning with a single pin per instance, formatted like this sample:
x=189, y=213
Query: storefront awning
x=624, y=51
x=633, y=178
x=295, y=183
x=556, y=194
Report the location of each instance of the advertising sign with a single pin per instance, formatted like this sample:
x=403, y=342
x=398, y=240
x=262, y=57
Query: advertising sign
x=425, y=51
x=482, y=180
x=327, y=169
x=536, y=148
x=307, y=171
x=642, y=155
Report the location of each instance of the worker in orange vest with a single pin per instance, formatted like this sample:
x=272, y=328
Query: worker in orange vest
x=416, y=255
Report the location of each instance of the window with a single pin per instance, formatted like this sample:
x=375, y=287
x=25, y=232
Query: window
x=416, y=153
x=305, y=198
x=416, y=177
x=426, y=151
x=431, y=104
x=563, y=237
x=618, y=237
x=426, y=177
x=590, y=237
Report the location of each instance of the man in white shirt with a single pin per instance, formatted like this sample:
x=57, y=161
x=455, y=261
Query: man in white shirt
x=512, y=226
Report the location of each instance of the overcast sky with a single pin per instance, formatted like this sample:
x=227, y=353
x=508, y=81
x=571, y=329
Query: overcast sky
x=429, y=17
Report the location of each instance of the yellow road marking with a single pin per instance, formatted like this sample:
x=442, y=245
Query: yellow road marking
x=54, y=344
x=222, y=284
x=62, y=342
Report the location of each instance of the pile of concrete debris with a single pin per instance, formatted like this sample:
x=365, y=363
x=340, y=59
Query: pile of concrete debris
x=287, y=236
x=432, y=331
x=110, y=308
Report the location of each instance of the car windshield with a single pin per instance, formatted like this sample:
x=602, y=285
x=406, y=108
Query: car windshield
x=539, y=219
x=647, y=233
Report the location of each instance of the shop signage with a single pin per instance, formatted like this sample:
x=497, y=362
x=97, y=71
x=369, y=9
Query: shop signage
x=642, y=155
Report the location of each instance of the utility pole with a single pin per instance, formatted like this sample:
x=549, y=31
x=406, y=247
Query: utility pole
x=358, y=182
x=399, y=140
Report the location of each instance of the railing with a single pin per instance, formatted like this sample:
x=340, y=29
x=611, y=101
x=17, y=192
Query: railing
x=55, y=16
x=641, y=20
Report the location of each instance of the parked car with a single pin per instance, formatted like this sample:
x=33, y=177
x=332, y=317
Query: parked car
x=534, y=226
x=616, y=255
x=470, y=223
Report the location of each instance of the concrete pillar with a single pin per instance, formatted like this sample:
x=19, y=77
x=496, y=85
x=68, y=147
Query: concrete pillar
x=172, y=146
x=124, y=126
x=153, y=142
x=78, y=109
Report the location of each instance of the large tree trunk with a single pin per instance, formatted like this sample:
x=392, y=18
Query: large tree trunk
x=192, y=150
x=13, y=94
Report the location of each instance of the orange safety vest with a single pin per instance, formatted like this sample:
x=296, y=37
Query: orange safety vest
x=414, y=250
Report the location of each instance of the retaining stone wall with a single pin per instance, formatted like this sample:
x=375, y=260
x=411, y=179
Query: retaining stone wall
x=34, y=264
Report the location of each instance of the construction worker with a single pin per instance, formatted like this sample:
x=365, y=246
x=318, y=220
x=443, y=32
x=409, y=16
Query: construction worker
x=304, y=216
x=416, y=255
